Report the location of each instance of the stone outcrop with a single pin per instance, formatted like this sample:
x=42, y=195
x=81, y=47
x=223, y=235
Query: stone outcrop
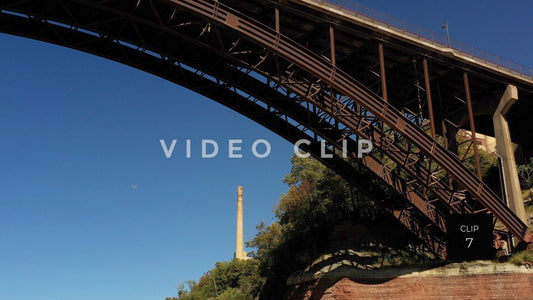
x=472, y=280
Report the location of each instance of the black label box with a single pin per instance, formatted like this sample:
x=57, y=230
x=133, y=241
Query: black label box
x=469, y=237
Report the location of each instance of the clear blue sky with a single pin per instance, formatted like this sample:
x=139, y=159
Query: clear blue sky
x=78, y=130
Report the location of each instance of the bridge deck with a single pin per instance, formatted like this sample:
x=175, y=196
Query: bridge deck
x=484, y=60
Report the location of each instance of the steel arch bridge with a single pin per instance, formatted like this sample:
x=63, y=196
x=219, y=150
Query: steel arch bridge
x=309, y=70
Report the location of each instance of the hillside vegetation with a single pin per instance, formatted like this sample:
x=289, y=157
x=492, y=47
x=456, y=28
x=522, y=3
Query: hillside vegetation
x=309, y=214
x=321, y=214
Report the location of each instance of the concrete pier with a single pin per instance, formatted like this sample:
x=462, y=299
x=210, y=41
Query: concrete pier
x=504, y=148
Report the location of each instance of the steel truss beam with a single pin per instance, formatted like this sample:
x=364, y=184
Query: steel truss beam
x=343, y=83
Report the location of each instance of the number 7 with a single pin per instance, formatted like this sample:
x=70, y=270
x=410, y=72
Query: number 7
x=469, y=240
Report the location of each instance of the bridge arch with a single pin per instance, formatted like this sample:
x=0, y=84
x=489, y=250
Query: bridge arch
x=253, y=69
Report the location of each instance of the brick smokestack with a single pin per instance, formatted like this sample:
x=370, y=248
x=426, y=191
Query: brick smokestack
x=239, y=243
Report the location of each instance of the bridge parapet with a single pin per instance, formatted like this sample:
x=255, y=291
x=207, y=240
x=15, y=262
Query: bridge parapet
x=362, y=14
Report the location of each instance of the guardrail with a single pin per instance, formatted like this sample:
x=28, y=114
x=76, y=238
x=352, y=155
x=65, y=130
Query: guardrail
x=371, y=15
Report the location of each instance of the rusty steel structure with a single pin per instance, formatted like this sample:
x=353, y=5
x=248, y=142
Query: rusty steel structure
x=307, y=70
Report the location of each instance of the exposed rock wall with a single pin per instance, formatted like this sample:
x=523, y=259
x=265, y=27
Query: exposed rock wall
x=479, y=280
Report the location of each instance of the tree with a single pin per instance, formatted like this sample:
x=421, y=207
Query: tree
x=316, y=203
x=235, y=280
x=525, y=172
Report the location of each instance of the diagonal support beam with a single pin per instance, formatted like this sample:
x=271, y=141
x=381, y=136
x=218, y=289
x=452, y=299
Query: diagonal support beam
x=382, y=72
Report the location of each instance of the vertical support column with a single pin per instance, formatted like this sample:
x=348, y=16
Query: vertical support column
x=472, y=125
x=504, y=148
x=239, y=243
x=333, y=61
x=383, y=73
x=444, y=134
x=332, y=44
x=278, y=31
x=444, y=129
x=429, y=100
x=277, y=19
x=446, y=145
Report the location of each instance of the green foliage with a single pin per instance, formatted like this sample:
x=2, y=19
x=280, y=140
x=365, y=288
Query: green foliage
x=317, y=197
x=316, y=203
x=525, y=172
x=267, y=240
x=230, y=280
x=233, y=294
x=521, y=258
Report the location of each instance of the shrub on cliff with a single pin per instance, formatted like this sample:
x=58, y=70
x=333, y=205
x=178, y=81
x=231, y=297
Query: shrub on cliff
x=521, y=258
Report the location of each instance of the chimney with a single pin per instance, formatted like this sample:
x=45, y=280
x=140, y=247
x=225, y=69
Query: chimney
x=239, y=244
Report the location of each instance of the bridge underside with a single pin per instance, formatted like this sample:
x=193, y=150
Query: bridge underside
x=306, y=75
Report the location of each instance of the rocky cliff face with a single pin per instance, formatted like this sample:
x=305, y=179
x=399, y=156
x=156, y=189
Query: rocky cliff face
x=474, y=280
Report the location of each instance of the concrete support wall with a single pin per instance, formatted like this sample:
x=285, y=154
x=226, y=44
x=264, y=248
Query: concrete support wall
x=504, y=148
x=239, y=243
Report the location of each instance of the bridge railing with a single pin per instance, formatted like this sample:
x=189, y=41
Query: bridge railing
x=379, y=18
